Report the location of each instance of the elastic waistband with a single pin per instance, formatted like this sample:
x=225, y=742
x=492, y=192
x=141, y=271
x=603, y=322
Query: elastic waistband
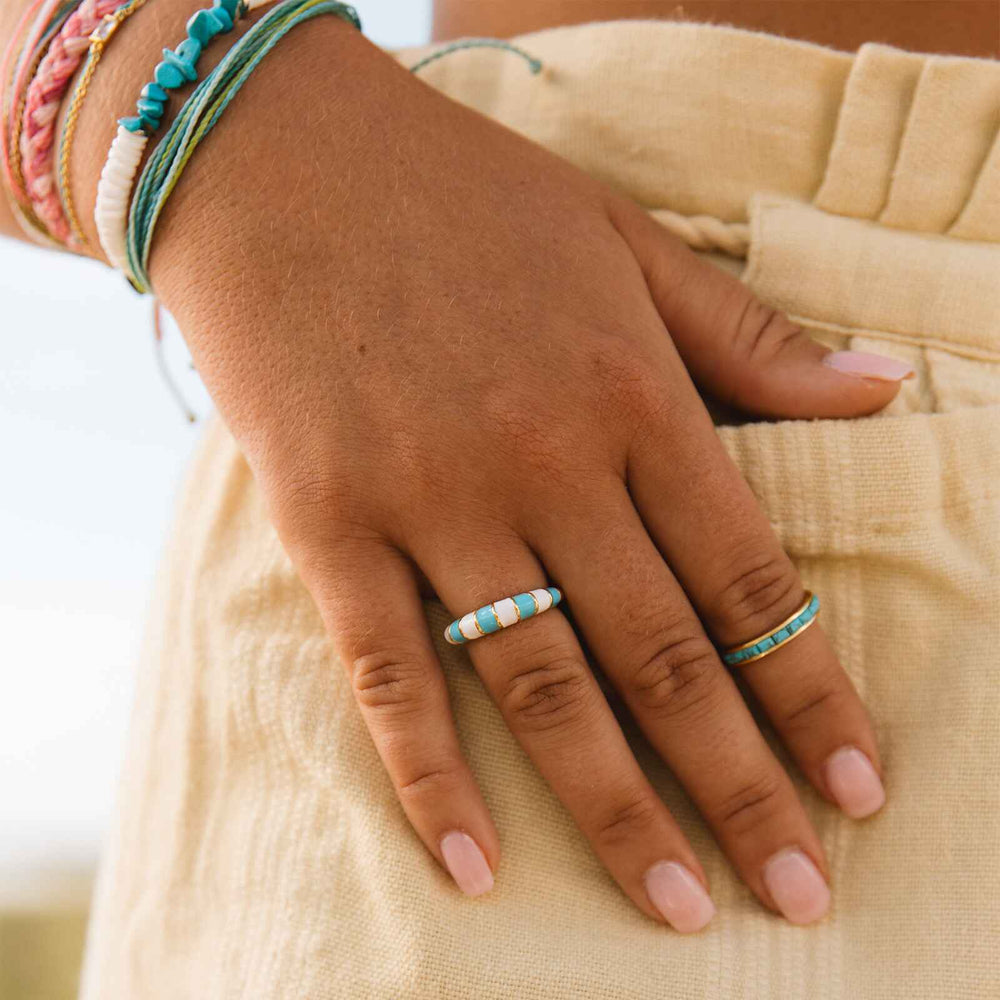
x=696, y=118
x=707, y=124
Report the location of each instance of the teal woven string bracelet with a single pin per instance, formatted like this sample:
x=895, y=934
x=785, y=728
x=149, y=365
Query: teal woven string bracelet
x=209, y=100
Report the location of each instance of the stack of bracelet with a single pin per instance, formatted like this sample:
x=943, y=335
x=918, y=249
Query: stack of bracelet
x=57, y=35
x=208, y=102
x=117, y=221
x=52, y=38
x=177, y=68
x=43, y=100
x=49, y=44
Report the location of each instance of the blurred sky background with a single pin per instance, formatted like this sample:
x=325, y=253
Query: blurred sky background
x=92, y=450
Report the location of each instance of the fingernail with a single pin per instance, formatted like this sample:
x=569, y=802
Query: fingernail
x=869, y=365
x=679, y=896
x=799, y=890
x=466, y=863
x=853, y=782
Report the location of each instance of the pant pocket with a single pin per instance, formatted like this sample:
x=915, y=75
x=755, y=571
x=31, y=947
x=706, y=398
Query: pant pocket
x=931, y=300
x=894, y=521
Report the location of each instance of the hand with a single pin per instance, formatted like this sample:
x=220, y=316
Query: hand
x=445, y=351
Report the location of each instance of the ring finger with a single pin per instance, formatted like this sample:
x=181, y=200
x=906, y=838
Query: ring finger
x=743, y=584
x=642, y=628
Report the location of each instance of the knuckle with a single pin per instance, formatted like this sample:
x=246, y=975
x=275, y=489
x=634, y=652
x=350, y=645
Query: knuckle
x=677, y=677
x=625, y=822
x=437, y=781
x=763, y=589
x=815, y=705
x=315, y=509
x=761, y=331
x=520, y=412
x=630, y=385
x=543, y=445
x=752, y=804
x=302, y=493
x=615, y=361
x=523, y=430
x=388, y=680
x=548, y=693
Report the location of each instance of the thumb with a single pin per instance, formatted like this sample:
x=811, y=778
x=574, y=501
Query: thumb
x=742, y=351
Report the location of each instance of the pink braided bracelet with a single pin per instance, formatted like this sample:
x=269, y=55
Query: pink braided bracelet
x=41, y=111
x=15, y=74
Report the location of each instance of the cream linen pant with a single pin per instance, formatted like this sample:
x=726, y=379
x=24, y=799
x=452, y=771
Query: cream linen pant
x=259, y=851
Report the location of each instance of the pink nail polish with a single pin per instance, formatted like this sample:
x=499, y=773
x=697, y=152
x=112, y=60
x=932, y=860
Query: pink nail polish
x=679, y=896
x=867, y=365
x=797, y=887
x=853, y=782
x=466, y=863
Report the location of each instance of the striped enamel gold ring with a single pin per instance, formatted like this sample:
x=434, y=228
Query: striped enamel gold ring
x=501, y=614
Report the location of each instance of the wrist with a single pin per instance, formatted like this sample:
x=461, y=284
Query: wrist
x=288, y=87
x=127, y=64
x=302, y=130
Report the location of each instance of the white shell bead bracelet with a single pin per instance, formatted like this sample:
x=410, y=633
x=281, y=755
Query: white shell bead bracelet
x=114, y=190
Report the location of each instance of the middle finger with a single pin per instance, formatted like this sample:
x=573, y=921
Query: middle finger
x=538, y=676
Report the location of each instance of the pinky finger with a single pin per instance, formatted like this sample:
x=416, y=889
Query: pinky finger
x=400, y=688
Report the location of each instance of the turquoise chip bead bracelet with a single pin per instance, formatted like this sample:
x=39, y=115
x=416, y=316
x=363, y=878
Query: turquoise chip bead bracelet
x=126, y=223
x=181, y=65
x=765, y=644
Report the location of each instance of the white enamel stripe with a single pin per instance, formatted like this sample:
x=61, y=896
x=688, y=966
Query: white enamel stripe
x=544, y=599
x=468, y=627
x=506, y=612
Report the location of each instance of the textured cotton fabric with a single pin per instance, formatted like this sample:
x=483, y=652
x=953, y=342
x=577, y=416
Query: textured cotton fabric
x=259, y=850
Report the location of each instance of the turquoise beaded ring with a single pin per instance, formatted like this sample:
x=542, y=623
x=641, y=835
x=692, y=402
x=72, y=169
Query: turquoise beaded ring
x=180, y=66
x=763, y=645
x=501, y=614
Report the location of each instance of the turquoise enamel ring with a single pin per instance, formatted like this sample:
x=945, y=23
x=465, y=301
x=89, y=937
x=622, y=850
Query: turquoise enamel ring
x=765, y=644
x=501, y=614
